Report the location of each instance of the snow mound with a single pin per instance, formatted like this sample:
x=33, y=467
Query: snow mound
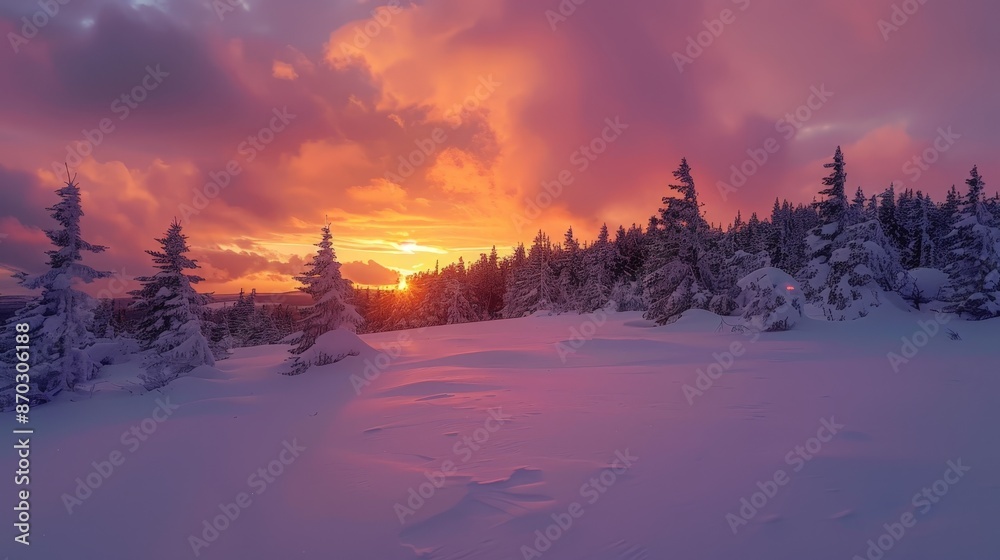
x=542, y=313
x=640, y=323
x=207, y=372
x=332, y=347
x=928, y=280
x=695, y=320
x=922, y=285
x=770, y=300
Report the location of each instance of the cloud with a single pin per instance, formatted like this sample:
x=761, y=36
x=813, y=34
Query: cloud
x=514, y=100
x=369, y=273
x=283, y=71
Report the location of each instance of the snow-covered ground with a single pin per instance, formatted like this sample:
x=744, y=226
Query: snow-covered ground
x=598, y=424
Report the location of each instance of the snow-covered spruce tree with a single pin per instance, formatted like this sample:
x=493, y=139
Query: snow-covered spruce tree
x=254, y=325
x=679, y=274
x=532, y=286
x=735, y=268
x=60, y=318
x=171, y=311
x=857, y=212
x=770, y=300
x=458, y=308
x=973, y=267
x=103, y=313
x=851, y=265
x=820, y=241
x=628, y=295
x=864, y=264
x=598, y=278
x=241, y=316
x=890, y=217
x=331, y=308
x=568, y=264
x=215, y=325
x=918, y=247
x=943, y=218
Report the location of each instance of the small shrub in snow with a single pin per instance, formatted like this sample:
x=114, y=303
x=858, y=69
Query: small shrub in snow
x=771, y=300
x=921, y=286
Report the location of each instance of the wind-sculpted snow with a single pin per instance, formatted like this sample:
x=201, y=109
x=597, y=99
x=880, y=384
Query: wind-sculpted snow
x=476, y=442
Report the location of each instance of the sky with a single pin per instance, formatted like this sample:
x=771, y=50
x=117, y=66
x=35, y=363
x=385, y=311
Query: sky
x=429, y=130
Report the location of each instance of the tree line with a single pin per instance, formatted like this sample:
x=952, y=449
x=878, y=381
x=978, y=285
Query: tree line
x=846, y=254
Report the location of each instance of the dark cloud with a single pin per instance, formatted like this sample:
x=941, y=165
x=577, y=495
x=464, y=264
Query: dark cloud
x=354, y=120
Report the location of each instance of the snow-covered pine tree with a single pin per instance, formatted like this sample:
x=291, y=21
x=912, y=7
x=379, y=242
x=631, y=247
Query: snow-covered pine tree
x=973, y=268
x=458, y=308
x=820, y=241
x=769, y=300
x=857, y=213
x=921, y=246
x=679, y=274
x=598, y=280
x=736, y=267
x=864, y=264
x=103, y=314
x=533, y=286
x=215, y=325
x=60, y=318
x=171, y=313
x=331, y=308
x=241, y=318
x=889, y=216
x=568, y=264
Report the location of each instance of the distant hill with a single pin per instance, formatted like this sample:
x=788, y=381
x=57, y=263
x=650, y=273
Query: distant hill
x=10, y=304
